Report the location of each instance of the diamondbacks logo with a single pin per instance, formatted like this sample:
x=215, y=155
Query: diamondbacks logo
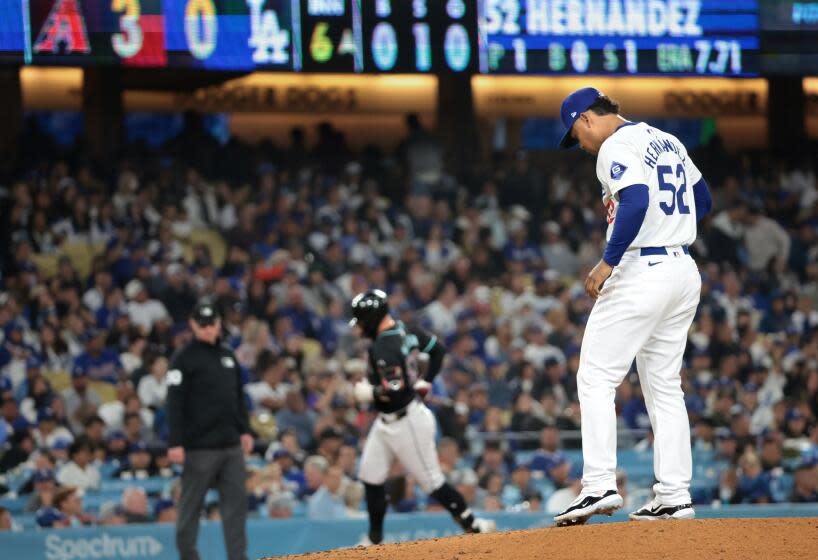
x=617, y=170
x=64, y=30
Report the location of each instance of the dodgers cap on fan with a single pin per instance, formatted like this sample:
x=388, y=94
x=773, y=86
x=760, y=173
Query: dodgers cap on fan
x=572, y=107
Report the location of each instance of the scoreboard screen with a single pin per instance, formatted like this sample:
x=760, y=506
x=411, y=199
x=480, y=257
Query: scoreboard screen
x=655, y=37
x=789, y=37
x=375, y=36
x=731, y=38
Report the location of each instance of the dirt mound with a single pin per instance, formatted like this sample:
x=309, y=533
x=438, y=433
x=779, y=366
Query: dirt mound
x=722, y=539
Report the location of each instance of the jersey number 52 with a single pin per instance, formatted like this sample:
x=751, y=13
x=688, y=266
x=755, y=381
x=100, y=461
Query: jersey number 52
x=676, y=193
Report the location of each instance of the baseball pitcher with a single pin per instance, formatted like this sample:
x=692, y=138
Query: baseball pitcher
x=646, y=289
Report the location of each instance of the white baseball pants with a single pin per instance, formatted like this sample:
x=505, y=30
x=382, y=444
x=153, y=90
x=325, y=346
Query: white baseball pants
x=411, y=439
x=644, y=311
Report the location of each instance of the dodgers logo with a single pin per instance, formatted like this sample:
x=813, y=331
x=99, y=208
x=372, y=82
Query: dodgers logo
x=617, y=170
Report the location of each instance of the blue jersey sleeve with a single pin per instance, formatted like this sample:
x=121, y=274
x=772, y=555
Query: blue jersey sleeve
x=633, y=205
x=702, y=198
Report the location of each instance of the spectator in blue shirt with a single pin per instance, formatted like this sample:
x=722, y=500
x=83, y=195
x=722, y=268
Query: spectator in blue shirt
x=296, y=416
x=303, y=320
x=500, y=394
x=549, y=460
x=326, y=502
x=805, y=482
x=753, y=483
x=98, y=362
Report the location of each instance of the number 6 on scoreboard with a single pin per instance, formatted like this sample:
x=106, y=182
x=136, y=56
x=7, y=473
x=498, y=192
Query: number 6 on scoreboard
x=128, y=43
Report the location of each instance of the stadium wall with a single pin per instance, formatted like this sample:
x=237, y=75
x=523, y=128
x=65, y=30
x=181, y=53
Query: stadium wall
x=291, y=536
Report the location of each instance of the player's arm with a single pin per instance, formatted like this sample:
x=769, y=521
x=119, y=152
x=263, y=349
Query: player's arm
x=244, y=416
x=429, y=344
x=177, y=381
x=701, y=192
x=371, y=388
x=633, y=205
x=702, y=199
x=620, y=169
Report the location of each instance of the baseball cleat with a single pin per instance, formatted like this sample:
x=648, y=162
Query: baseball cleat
x=365, y=541
x=587, y=505
x=483, y=525
x=370, y=539
x=655, y=510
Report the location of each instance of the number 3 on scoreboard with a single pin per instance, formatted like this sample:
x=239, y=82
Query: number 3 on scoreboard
x=128, y=43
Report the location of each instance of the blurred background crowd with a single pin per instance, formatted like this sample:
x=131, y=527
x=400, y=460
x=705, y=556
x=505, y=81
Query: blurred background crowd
x=100, y=270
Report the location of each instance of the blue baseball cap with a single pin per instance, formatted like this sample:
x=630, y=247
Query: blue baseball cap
x=572, y=107
x=79, y=370
x=280, y=453
x=116, y=434
x=46, y=517
x=61, y=443
x=43, y=475
x=46, y=414
x=33, y=362
x=138, y=447
x=162, y=505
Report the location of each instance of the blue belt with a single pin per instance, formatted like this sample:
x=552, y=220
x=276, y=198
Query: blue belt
x=652, y=251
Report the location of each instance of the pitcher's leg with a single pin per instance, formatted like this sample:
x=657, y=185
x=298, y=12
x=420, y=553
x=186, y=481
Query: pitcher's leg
x=613, y=335
x=659, y=364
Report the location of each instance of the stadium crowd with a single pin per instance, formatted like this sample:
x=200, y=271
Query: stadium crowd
x=102, y=267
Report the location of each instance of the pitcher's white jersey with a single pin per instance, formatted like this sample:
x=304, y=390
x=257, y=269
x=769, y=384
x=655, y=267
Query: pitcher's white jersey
x=638, y=154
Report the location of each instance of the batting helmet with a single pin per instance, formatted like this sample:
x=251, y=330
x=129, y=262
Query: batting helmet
x=368, y=310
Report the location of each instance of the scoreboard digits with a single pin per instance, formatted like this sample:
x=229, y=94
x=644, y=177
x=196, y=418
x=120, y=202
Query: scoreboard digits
x=681, y=37
x=626, y=37
x=419, y=36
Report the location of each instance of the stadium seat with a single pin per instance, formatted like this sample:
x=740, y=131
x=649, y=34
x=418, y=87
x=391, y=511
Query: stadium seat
x=154, y=485
x=59, y=380
x=210, y=238
x=81, y=255
x=14, y=505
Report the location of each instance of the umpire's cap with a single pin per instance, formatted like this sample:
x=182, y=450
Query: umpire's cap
x=572, y=107
x=205, y=313
x=368, y=309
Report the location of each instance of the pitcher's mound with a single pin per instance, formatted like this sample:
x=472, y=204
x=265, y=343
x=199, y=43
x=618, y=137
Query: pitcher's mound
x=711, y=539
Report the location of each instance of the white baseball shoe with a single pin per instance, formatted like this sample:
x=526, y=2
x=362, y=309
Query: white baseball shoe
x=587, y=505
x=655, y=510
x=367, y=540
x=481, y=525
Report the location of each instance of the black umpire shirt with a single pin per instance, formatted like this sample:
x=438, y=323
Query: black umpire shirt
x=206, y=406
x=394, y=366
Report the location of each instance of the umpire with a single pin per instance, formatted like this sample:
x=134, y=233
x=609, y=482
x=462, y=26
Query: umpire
x=209, y=431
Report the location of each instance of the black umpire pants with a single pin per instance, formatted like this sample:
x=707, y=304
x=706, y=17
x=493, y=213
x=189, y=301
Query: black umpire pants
x=224, y=470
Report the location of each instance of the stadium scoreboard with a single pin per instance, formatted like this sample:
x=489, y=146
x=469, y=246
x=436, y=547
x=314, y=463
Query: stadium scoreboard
x=405, y=36
x=689, y=37
x=556, y=37
x=789, y=37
